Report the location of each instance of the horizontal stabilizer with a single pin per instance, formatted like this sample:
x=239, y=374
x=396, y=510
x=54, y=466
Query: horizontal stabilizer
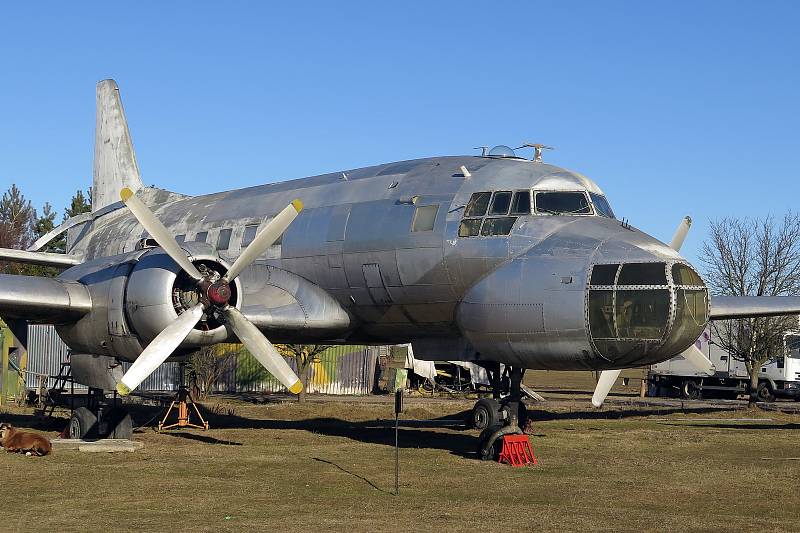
x=39, y=258
x=727, y=307
x=46, y=300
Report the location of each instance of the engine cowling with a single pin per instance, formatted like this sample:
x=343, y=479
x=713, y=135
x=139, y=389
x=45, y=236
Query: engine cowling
x=135, y=296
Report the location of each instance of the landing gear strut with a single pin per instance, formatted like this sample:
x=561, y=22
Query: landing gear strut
x=502, y=417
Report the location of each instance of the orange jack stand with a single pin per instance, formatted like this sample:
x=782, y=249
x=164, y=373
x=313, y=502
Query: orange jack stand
x=517, y=451
x=183, y=401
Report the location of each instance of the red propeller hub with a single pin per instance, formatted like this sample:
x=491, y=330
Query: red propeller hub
x=219, y=293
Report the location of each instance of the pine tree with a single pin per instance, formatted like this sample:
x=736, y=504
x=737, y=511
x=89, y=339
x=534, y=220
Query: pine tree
x=80, y=203
x=17, y=225
x=44, y=224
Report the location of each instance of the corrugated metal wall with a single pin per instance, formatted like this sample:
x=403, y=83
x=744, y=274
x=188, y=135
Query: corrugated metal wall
x=339, y=370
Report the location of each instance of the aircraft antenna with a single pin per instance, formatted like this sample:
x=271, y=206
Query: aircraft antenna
x=484, y=150
x=537, y=150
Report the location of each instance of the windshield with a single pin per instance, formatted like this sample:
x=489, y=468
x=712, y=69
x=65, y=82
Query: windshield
x=562, y=203
x=601, y=205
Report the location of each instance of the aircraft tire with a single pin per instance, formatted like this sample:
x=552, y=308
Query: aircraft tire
x=484, y=414
x=493, y=452
x=120, y=424
x=82, y=424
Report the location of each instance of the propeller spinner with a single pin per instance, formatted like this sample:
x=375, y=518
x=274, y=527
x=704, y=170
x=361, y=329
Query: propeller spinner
x=214, y=297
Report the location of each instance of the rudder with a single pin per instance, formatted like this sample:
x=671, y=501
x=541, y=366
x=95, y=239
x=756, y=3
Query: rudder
x=115, y=164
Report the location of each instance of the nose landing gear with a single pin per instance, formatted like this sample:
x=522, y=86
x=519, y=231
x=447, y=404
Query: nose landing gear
x=499, y=416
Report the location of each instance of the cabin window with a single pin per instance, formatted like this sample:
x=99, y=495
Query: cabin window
x=604, y=274
x=224, y=239
x=683, y=275
x=478, y=204
x=424, y=218
x=563, y=203
x=601, y=205
x=180, y=238
x=500, y=203
x=249, y=234
x=521, y=205
x=497, y=226
x=201, y=237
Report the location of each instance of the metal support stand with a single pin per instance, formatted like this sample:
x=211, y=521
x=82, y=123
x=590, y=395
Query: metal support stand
x=185, y=404
x=398, y=408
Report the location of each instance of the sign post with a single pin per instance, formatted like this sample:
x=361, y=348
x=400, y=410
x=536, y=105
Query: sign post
x=398, y=408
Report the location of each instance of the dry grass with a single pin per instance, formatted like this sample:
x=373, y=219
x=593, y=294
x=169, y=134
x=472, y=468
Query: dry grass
x=329, y=466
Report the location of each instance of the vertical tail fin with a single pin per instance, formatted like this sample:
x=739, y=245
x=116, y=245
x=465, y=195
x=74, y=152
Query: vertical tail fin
x=114, y=160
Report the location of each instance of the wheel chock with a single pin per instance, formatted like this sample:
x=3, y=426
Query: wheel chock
x=516, y=451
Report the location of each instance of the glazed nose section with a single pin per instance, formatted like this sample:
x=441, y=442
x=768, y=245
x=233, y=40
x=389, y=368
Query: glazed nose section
x=645, y=312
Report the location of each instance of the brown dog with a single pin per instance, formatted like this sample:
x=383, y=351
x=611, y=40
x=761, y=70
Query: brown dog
x=14, y=440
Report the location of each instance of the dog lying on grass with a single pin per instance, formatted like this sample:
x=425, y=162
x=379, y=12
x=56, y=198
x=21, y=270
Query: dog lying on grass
x=25, y=442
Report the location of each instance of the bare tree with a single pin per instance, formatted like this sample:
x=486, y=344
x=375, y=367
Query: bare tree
x=304, y=355
x=208, y=366
x=754, y=257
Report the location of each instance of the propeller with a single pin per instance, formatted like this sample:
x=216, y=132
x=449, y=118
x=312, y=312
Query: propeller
x=604, y=384
x=692, y=354
x=214, y=297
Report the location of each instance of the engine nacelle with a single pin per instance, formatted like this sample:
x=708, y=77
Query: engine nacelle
x=136, y=295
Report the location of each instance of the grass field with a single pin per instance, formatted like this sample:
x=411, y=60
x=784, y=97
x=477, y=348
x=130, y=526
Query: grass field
x=328, y=465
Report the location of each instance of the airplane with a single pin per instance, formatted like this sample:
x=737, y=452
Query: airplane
x=491, y=258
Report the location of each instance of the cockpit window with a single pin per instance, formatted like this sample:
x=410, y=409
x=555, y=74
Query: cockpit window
x=497, y=226
x=563, y=203
x=478, y=204
x=601, y=205
x=500, y=203
x=522, y=203
x=494, y=207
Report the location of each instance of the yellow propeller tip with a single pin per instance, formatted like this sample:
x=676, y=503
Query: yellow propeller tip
x=123, y=389
x=298, y=205
x=296, y=388
x=125, y=194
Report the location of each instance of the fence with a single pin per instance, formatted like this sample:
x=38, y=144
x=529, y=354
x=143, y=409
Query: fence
x=347, y=370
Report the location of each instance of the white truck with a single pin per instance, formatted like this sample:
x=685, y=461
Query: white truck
x=777, y=379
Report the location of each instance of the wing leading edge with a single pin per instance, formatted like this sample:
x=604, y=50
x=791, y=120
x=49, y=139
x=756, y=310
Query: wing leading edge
x=46, y=300
x=728, y=307
x=39, y=258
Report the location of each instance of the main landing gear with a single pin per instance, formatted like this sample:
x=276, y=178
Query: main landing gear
x=499, y=415
x=99, y=419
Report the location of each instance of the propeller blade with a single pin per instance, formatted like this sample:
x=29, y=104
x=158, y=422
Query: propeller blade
x=265, y=238
x=263, y=350
x=697, y=359
x=680, y=233
x=604, y=384
x=160, y=233
x=159, y=349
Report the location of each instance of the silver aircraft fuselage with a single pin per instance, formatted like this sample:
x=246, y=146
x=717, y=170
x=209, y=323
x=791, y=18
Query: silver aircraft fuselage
x=387, y=243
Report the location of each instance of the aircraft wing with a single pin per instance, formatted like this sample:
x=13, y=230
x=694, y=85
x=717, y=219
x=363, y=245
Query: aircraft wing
x=39, y=258
x=727, y=307
x=46, y=300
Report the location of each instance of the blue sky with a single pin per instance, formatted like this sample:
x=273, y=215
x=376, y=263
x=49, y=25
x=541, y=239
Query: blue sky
x=674, y=108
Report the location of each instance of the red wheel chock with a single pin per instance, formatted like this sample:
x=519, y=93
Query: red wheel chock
x=517, y=451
